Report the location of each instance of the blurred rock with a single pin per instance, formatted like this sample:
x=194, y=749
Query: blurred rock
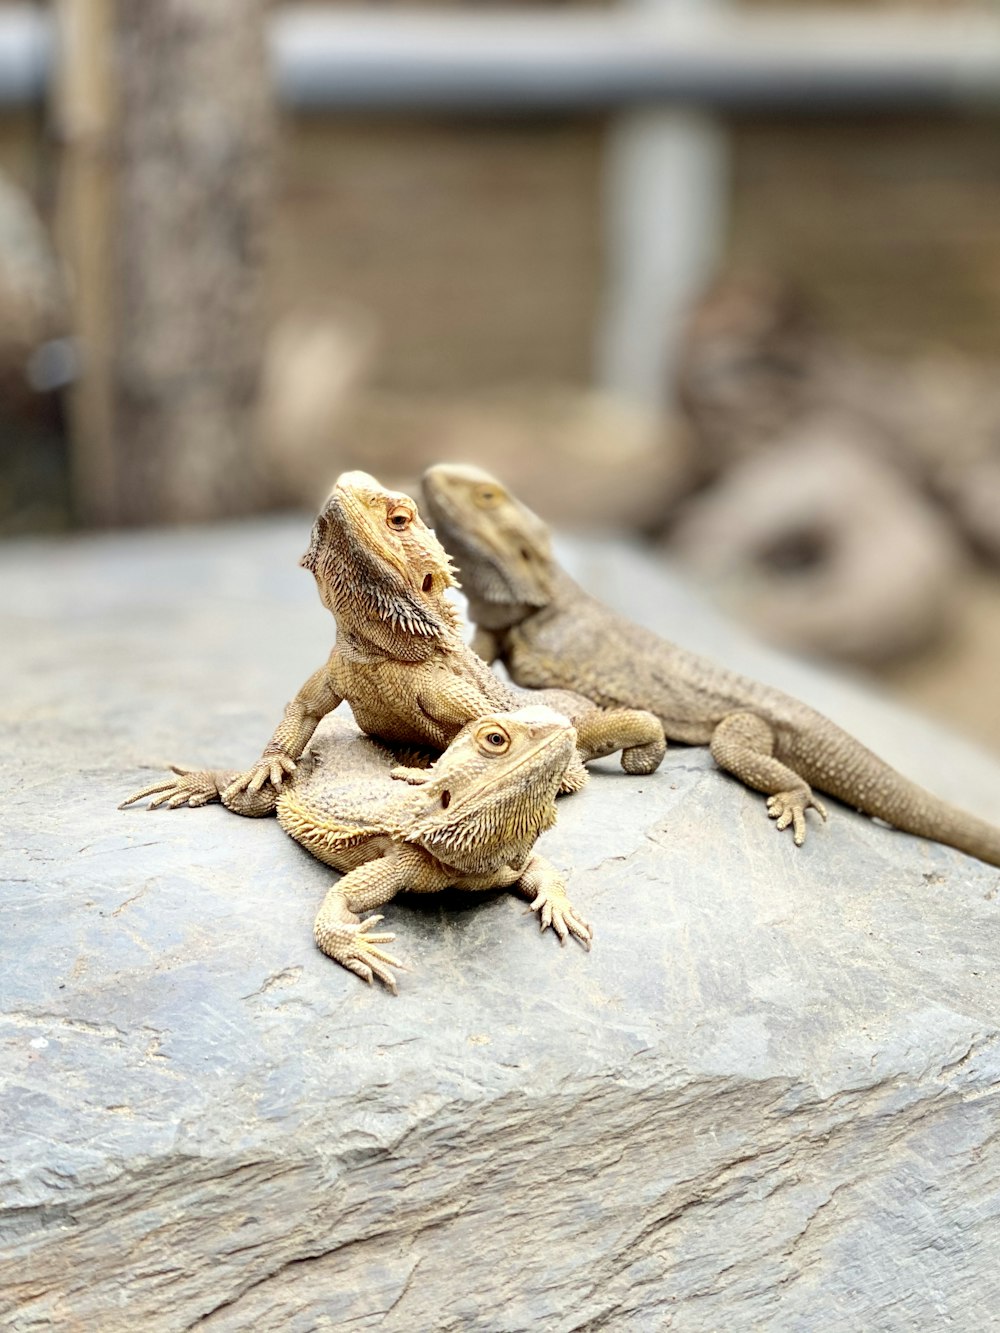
x=755, y=360
x=758, y=361
x=762, y=377
x=946, y=410
x=824, y=547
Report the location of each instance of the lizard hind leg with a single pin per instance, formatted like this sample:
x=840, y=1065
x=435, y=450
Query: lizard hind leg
x=743, y=744
x=188, y=786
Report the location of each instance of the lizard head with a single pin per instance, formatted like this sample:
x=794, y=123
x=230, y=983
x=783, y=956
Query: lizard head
x=379, y=568
x=503, y=550
x=493, y=790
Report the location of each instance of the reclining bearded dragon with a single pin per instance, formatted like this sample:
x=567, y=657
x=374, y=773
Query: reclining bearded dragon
x=549, y=632
x=470, y=824
x=401, y=664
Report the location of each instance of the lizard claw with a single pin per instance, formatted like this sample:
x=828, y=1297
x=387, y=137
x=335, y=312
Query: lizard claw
x=190, y=786
x=555, y=909
x=789, y=807
x=272, y=768
x=356, y=947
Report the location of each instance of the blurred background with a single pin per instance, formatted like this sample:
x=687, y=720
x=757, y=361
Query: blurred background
x=718, y=277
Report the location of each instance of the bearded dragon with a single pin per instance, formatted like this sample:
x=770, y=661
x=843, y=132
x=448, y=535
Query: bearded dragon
x=549, y=632
x=471, y=823
x=400, y=660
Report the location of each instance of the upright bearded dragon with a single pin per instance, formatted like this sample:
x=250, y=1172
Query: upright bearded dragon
x=400, y=660
x=549, y=632
x=471, y=823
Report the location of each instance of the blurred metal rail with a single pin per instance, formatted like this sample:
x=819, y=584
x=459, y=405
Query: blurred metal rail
x=572, y=60
x=506, y=61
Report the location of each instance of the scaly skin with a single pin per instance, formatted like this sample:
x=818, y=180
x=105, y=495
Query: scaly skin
x=400, y=660
x=470, y=822
x=548, y=632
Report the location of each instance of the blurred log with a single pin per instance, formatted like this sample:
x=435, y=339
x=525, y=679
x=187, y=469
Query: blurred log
x=173, y=340
x=83, y=116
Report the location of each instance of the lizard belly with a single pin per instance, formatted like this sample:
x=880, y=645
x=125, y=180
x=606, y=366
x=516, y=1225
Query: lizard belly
x=385, y=701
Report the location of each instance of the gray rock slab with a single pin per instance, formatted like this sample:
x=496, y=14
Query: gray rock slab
x=768, y=1098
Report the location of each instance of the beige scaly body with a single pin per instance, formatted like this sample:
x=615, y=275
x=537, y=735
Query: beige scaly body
x=470, y=821
x=550, y=632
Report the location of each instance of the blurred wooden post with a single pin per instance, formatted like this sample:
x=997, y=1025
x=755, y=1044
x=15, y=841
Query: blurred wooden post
x=170, y=293
x=82, y=113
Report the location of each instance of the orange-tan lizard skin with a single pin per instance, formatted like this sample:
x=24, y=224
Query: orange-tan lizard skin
x=470, y=823
x=400, y=660
x=549, y=632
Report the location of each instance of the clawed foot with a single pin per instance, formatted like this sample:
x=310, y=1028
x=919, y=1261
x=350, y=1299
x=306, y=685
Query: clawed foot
x=789, y=807
x=416, y=777
x=191, y=786
x=356, y=948
x=272, y=768
x=555, y=909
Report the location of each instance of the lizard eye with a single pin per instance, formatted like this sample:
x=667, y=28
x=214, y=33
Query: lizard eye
x=487, y=497
x=399, y=518
x=494, y=740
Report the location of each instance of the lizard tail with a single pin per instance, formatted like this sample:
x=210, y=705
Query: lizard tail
x=885, y=794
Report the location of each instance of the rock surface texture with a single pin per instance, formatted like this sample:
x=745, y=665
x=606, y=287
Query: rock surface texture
x=768, y=1098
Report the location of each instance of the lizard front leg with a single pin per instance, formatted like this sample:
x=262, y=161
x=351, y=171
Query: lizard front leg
x=638, y=734
x=743, y=744
x=339, y=929
x=317, y=697
x=543, y=883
